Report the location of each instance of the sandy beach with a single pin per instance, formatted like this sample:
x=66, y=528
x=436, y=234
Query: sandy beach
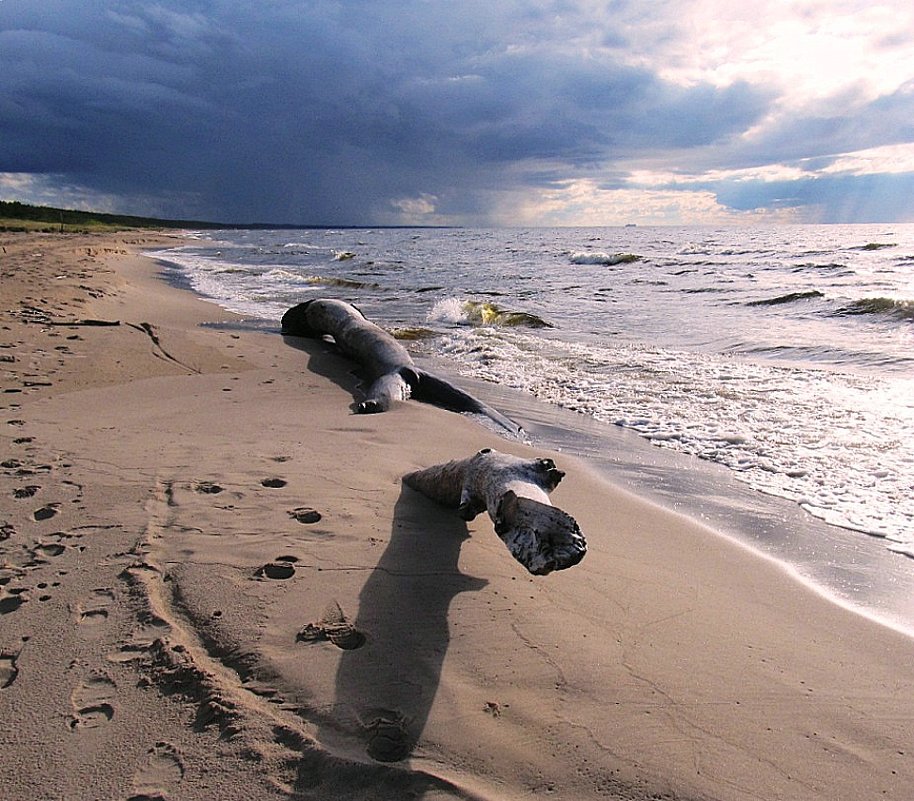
x=214, y=585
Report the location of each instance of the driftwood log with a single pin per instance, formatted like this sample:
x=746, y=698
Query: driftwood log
x=393, y=375
x=515, y=493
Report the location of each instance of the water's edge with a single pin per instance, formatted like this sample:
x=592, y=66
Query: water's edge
x=855, y=572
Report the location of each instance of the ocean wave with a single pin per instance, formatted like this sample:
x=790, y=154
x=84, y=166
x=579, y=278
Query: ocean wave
x=876, y=246
x=281, y=276
x=348, y=283
x=708, y=407
x=599, y=257
x=413, y=333
x=886, y=307
x=836, y=269
x=234, y=270
x=343, y=255
x=790, y=297
x=822, y=355
x=474, y=312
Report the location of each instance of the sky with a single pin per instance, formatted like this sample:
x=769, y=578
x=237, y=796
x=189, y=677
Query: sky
x=438, y=112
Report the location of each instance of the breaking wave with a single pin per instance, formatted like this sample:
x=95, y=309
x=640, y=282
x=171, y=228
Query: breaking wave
x=599, y=257
x=473, y=312
x=790, y=297
x=885, y=307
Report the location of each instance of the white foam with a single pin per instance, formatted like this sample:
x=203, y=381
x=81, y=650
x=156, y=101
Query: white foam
x=449, y=310
x=692, y=403
x=600, y=257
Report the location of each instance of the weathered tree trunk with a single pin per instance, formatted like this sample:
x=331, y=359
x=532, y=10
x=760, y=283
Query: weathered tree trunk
x=515, y=492
x=383, y=357
x=393, y=375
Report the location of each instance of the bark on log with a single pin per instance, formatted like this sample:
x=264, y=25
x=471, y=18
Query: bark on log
x=515, y=493
x=393, y=375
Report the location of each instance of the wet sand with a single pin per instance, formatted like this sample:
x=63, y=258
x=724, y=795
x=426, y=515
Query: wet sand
x=214, y=585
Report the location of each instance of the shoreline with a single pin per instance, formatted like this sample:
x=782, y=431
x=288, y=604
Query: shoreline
x=770, y=526
x=168, y=463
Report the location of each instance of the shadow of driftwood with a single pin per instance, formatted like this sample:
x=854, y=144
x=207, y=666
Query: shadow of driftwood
x=325, y=359
x=390, y=682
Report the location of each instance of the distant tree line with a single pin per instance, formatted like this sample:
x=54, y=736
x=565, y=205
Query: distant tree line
x=69, y=218
x=16, y=216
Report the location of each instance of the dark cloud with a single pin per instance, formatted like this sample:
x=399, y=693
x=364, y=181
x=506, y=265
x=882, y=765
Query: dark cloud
x=327, y=111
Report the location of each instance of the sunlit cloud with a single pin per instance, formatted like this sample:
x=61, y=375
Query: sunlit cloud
x=584, y=203
x=808, y=50
x=418, y=210
x=54, y=190
x=890, y=159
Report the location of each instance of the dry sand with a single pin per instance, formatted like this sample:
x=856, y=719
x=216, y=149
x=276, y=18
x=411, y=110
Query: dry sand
x=152, y=469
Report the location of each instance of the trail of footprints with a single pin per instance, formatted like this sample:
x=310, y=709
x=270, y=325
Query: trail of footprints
x=26, y=544
x=28, y=549
x=93, y=701
x=283, y=566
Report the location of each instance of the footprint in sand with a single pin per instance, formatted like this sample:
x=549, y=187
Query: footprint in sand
x=388, y=737
x=281, y=568
x=11, y=602
x=141, y=641
x=159, y=775
x=92, y=703
x=333, y=627
x=208, y=488
x=305, y=514
x=45, y=512
x=94, y=612
x=49, y=549
x=8, y=669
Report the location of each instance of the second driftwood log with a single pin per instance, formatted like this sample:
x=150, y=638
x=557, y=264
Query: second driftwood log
x=515, y=493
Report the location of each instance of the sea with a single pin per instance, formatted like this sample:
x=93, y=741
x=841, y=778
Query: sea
x=759, y=380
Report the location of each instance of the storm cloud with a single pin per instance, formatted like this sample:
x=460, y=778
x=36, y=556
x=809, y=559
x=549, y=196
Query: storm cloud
x=381, y=112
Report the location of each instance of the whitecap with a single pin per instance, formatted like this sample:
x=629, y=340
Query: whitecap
x=600, y=257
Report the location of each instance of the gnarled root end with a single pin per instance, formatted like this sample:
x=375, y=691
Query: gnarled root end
x=372, y=406
x=541, y=537
x=383, y=392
